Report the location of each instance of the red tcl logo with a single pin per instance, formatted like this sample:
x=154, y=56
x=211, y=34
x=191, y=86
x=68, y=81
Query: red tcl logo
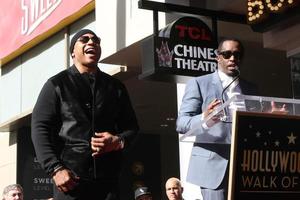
x=194, y=33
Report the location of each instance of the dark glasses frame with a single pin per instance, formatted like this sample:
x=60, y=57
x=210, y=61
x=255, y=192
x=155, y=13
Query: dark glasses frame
x=86, y=39
x=228, y=54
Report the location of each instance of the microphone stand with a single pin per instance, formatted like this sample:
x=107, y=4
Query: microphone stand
x=224, y=118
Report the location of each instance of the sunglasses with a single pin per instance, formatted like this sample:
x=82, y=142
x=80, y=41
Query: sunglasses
x=86, y=39
x=228, y=54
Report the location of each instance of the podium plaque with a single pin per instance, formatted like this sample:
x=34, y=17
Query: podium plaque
x=265, y=157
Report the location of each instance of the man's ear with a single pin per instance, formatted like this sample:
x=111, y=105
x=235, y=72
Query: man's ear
x=72, y=55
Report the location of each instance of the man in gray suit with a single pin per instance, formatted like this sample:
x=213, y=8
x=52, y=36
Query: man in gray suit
x=208, y=165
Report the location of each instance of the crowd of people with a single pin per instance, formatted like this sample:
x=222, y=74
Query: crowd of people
x=173, y=190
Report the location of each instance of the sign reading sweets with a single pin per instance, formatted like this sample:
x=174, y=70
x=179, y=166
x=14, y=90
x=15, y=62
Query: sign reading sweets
x=37, y=185
x=266, y=157
x=186, y=47
x=23, y=20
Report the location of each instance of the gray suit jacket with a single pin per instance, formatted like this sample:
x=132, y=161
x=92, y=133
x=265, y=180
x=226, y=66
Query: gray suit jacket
x=209, y=158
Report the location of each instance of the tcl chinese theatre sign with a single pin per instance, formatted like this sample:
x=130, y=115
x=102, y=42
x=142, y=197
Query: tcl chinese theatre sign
x=185, y=47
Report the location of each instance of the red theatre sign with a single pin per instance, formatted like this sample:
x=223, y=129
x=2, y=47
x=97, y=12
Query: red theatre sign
x=24, y=21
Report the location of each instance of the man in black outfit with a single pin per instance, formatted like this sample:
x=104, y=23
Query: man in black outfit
x=82, y=121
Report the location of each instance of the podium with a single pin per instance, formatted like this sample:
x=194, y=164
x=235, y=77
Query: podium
x=265, y=146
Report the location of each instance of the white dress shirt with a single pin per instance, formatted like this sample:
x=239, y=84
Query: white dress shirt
x=233, y=89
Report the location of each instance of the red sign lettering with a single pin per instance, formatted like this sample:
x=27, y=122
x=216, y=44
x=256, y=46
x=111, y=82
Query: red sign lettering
x=194, y=33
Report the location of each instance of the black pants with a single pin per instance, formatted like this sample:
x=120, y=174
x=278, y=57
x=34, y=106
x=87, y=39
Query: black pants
x=96, y=190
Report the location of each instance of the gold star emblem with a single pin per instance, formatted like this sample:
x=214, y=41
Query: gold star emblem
x=292, y=138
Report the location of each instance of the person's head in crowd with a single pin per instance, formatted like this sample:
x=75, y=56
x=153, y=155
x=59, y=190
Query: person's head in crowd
x=142, y=193
x=85, y=49
x=174, y=189
x=13, y=192
x=230, y=53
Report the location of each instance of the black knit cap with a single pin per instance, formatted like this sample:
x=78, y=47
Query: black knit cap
x=78, y=35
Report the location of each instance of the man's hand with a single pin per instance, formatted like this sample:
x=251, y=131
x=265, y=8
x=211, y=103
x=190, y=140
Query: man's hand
x=105, y=142
x=210, y=108
x=65, y=180
x=278, y=110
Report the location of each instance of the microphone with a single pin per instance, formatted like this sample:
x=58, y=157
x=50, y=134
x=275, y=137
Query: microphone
x=237, y=75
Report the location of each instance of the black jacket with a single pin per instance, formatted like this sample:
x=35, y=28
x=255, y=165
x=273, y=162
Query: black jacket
x=62, y=122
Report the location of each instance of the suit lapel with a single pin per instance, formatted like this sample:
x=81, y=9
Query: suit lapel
x=217, y=84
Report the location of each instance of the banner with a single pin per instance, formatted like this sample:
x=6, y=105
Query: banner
x=25, y=20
